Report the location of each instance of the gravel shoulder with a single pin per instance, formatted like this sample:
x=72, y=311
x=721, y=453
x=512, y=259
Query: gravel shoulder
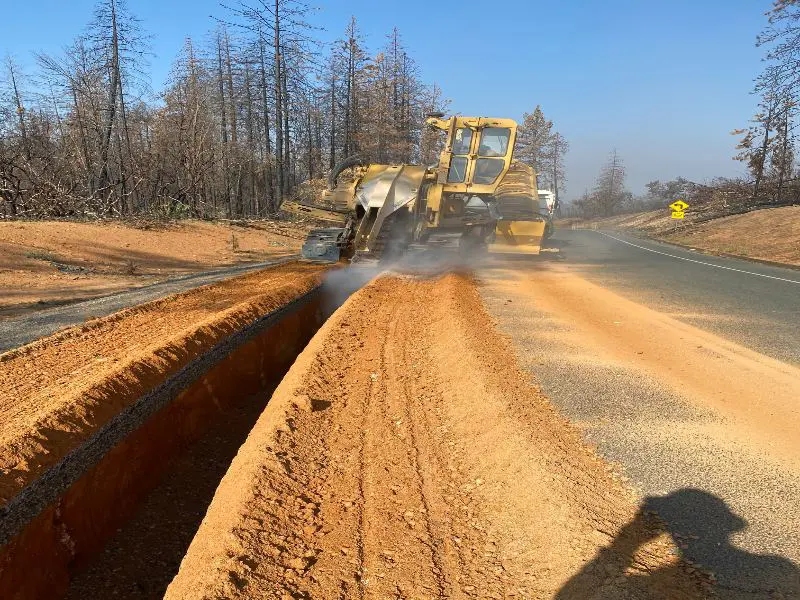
x=34, y=324
x=406, y=455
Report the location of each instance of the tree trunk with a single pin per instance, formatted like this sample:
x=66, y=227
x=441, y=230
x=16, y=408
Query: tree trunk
x=268, y=175
x=223, y=129
x=332, y=157
x=251, y=146
x=278, y=110
x=763, y=156
x=288, y=178
x=111, y=105
x=555, y=173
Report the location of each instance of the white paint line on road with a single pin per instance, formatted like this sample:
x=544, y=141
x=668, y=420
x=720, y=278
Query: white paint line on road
x=699, y=262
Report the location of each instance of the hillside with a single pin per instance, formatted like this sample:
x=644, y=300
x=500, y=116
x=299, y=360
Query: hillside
x=769, y=234
x=52, y=262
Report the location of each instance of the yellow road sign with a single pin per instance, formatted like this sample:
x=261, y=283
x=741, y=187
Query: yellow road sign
x=679, y=206
x=677, y=214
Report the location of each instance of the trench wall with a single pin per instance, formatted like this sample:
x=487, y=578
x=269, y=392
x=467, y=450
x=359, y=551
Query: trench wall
x=60, y=521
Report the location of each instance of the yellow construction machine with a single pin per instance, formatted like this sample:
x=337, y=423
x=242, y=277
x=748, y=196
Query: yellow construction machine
x=476, y=191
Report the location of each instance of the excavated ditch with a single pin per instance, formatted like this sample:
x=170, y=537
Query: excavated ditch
x=141, y=483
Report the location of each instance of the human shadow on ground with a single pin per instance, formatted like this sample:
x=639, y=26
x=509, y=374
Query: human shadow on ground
x=701, y=526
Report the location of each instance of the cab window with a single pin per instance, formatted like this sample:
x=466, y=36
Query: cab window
x=494, y=141
x=458, y=169
x=487, y=170
x=462, y=141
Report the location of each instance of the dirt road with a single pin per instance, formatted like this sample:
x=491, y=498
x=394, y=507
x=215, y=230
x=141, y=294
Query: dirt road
x=673, y=368
x=405, y=455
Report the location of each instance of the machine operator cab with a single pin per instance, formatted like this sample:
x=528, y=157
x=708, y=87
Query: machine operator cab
x=487, y=163
x=476, y=156
x=477, y=152
x=480, y=192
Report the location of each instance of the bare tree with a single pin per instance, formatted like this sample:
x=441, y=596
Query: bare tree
x=553, y=164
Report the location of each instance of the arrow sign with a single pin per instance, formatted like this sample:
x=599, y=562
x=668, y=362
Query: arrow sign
x=679, y=206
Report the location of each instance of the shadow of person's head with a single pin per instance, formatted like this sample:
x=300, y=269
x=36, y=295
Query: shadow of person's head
x=695, y=517
x=702, y=526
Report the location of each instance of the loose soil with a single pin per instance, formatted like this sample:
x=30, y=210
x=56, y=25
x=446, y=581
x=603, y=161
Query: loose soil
x=705, y=426
x=406, y=455
x=769, y=234
x=52, y=262
x=54, y=393
x=757, y=395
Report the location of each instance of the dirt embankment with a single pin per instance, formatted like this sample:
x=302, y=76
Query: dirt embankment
x=50, y=262
x=56, y=392
x=770, y=234
x=406, y=455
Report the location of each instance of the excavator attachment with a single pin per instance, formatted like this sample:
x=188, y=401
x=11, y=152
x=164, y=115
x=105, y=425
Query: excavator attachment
x=518, y=237
x=380, y=219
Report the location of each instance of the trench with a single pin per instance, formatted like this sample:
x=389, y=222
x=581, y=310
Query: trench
x=116, y=517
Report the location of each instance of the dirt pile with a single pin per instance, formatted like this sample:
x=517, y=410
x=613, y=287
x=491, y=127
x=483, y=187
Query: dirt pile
x=47, y=262
x=406, y=455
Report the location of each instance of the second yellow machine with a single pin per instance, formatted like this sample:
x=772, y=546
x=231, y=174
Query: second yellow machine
x=477, y=191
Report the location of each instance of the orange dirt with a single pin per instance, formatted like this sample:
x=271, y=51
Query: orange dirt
x=46, y=262
x=406, y=455
x=54, y=393
x=756, y=394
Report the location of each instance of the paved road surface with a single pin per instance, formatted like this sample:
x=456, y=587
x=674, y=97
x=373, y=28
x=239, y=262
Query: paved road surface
x=22, y=330
x=753, y=304
x=682, y=368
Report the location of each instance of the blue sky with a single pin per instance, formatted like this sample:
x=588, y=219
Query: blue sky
x=662, y=82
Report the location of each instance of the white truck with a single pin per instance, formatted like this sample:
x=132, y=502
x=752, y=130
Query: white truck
x=548, y=198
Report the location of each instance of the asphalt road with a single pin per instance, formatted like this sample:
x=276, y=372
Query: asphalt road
x=18, y=331
x=729, y=500
x=750, y=303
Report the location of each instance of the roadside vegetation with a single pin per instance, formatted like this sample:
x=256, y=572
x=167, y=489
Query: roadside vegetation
x=247, y=115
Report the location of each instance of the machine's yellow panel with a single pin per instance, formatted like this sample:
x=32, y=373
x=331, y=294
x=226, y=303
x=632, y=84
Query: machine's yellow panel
x=518, y=237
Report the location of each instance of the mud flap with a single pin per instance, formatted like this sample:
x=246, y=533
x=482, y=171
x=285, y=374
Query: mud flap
x=518, y=237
